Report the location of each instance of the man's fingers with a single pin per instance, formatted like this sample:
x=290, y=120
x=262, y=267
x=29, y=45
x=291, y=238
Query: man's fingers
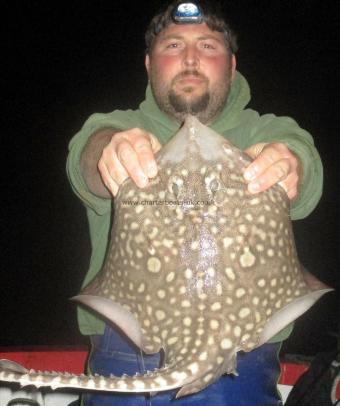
x=290, y=185
x=292, y=193
x=273, y=163
x=130, y=153
x=129, y=159
x=145, y=156
x=110, y=164
x=268, y=155
x=107, y=179
x=113, y=187
x=155, y=144
x=135, y=150
x=255, y=150
x=272, y=175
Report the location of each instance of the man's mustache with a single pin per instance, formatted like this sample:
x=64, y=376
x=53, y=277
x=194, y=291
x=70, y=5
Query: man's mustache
x=184, y=74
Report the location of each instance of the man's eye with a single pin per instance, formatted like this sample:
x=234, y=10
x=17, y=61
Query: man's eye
x=208, y=46
x=173, y=45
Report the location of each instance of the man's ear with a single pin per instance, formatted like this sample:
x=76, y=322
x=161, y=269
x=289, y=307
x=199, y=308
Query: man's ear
x=233, y=67
x=147, y=63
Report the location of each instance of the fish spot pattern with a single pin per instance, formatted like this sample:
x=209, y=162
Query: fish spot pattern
x=197, y=262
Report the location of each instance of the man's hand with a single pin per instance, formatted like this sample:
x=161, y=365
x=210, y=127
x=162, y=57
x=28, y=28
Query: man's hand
x=129, y=154
x=273, y=163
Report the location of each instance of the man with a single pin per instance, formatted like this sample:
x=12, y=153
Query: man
x=191, y=68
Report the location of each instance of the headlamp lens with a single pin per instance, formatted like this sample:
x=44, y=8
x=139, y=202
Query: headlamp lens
x=187, y=13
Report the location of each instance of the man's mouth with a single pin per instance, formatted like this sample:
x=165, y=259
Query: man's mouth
x=190, y=83
x=190, y=78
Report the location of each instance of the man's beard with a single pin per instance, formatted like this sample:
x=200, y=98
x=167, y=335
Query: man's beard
x=204, y=106
x=193, y=106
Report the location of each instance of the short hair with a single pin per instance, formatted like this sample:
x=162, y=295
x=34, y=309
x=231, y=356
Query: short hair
x=212, y=16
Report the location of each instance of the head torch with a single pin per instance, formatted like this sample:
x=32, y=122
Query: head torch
x=187, y=13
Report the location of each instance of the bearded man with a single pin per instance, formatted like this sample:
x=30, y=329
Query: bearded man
x=191, y=67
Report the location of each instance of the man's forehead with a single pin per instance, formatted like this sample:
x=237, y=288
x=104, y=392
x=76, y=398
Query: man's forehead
x=190, y=31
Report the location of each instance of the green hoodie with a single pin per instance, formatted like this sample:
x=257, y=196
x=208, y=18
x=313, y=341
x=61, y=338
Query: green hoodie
x=243, y=127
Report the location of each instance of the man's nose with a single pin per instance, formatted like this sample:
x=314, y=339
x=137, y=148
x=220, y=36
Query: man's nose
x=191, y=57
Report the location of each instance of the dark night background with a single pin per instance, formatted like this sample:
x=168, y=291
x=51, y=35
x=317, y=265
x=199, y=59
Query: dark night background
x=62, y=63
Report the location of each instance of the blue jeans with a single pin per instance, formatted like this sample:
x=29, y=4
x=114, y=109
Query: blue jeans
x=256, y=384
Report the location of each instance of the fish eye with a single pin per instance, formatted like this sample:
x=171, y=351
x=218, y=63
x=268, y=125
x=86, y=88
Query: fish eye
x=214, y=185
x=175, y=185
x=175, y=189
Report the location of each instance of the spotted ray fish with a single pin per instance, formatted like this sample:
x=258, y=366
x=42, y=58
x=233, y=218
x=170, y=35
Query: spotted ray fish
x=197, y=267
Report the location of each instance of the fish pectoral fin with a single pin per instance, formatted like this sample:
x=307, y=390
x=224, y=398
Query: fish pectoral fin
x=287, y=314
x=313, y=282
x=115, y=313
